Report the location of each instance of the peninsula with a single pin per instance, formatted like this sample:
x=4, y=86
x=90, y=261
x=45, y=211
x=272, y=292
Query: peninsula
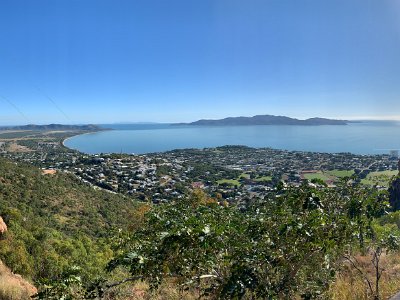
x=265, y=120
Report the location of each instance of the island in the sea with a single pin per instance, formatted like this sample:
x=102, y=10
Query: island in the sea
x=266, y=120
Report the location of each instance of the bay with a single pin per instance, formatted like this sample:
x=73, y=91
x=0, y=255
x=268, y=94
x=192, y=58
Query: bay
x=359, y=138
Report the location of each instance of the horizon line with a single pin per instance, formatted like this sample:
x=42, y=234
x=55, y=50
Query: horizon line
x=377, y=119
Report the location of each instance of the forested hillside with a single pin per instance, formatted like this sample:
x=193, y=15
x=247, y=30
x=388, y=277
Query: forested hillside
x=309, y=242
x=55, y=222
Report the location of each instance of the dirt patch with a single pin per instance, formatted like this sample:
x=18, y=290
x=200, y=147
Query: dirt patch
x=14, y=147
x=49, y=172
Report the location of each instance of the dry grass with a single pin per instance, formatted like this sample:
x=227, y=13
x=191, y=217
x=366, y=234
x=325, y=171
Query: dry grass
x=15, y=147
x=351, y=285
x=141, y=291
x=14, y=287
x=356, y=289
x=11, y=292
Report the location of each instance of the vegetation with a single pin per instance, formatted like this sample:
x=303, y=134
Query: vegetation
x=17, y=134
x=290, y=245
x=340, y=173
x=55, y=222
x=306, y=242
x=382, y=178
x=318, y=175
x=209, y=172
x=234, y=182
x=263, y=178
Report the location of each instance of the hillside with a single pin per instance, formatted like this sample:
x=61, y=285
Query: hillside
x=13, y=286
x=52, y=127
x=55, y=222
x=266, y=120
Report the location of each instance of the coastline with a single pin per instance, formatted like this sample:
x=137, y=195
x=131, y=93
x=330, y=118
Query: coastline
x=67, y=138
x=371, y=139
x=78, y=134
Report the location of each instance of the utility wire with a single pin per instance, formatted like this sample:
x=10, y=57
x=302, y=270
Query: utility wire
x=16, y=108
x=54, y=103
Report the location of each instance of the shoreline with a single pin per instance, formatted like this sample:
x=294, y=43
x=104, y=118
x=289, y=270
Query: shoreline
x=75, y=135
x=78, y=134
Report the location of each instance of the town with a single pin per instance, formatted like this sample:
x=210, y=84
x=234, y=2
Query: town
x=232, y=173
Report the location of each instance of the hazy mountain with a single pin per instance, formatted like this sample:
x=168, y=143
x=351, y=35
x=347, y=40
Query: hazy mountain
x=266, y=120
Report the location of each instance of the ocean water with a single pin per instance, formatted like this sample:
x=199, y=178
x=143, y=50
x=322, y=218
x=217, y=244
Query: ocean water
x=358, y=138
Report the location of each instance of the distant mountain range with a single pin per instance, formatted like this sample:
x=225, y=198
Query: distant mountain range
x=89, y=127
x=266, y=120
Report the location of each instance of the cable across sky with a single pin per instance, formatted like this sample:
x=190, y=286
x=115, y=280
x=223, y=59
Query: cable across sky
x=105, y=61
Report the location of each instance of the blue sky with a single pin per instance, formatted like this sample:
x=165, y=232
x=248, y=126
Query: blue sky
x=101, y=61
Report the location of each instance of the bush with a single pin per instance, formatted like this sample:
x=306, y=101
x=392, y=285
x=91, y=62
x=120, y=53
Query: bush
x=286, y=245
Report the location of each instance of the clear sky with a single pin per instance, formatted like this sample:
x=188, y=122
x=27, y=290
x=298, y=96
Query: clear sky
x=101, y=61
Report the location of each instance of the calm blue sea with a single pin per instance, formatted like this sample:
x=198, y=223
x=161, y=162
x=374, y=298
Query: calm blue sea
x=360, y=138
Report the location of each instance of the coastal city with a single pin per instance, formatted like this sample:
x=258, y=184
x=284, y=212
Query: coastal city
x=232, y=173
x=206, y=150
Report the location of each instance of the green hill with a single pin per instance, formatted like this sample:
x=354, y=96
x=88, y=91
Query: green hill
x=55, y=222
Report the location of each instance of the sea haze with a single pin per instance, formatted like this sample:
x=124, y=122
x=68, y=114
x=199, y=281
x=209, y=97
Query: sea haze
x=359, y=138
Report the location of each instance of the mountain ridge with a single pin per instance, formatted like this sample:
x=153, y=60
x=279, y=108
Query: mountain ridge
x=266, y=120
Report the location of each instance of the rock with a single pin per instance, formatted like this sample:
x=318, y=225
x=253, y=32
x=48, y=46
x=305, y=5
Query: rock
x=15, y=285
x=3, y=226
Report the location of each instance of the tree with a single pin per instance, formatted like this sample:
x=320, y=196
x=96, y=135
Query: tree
x=286, y=245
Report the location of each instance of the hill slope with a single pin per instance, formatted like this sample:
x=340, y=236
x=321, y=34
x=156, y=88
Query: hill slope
x=14, y=287
x=55, y=221
x=52, y=127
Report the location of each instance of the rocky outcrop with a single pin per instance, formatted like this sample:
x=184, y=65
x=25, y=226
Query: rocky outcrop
x=3, y=226
x=13, y=286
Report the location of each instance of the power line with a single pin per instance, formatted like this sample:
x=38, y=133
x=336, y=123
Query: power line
x=16, y=108
x=54, y=103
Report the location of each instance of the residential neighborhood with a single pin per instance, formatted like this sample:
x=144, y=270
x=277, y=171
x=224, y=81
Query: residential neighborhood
x=234, y=173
